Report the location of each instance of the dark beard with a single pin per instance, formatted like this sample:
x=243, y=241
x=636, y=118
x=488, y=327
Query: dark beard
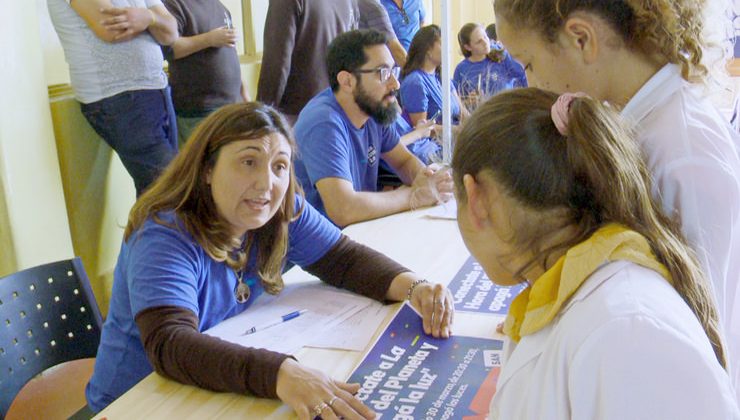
x=382, y=114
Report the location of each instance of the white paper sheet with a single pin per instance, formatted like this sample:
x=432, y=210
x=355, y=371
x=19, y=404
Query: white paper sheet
x=327, y=307
x=355, y=332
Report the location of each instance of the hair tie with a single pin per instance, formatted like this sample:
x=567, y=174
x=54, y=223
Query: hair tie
x=560, y=109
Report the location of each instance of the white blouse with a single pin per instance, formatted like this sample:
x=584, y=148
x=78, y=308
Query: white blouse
x=692, y=153
x=626, y=346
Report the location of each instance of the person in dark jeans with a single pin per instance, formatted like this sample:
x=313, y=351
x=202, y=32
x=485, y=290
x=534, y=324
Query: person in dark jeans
x=115, y=62
x=141, y=127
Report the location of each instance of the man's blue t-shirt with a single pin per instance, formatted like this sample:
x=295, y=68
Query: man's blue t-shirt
x=422, y=91
x=330, y=146
x=164, y=266
x=487, y=77
x=406, y=21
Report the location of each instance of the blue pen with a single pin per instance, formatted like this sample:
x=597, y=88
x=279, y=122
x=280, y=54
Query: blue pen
x=278, y=321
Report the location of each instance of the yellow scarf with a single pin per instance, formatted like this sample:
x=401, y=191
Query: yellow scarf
x=537, y=305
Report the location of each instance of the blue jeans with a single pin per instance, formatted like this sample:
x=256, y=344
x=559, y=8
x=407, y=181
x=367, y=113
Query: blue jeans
x=140, y=126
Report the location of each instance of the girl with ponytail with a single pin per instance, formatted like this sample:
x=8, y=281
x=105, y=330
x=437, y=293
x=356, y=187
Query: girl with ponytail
x=645, y=58
x=486, y=69
x=618, y=321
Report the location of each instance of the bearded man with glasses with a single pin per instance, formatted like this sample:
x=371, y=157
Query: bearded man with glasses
x=344, y=131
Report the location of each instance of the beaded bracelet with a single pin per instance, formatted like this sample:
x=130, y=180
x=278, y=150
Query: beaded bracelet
x=413, y=286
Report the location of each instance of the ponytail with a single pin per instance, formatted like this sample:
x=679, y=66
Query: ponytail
x=606, y=159
x=592, y=175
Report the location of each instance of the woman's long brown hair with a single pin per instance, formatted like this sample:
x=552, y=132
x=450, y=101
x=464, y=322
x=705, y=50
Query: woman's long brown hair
x=183, y=189
x=421, y=44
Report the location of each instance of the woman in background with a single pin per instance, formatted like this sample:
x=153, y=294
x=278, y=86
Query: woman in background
x=485, y=70
x=618, y=321
x=421, y=86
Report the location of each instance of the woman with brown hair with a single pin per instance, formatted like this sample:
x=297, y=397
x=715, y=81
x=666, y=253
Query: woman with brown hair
x=421, y=86
x=618, y=320
x=210, y=235
x=485, y=70
x=645, y=58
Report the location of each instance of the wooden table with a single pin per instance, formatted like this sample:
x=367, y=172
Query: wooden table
x=431, y=247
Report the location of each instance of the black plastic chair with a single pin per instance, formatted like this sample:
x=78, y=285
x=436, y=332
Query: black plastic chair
x=48, y=315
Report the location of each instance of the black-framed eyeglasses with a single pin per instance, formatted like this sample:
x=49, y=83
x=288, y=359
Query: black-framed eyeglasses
x=383, y=72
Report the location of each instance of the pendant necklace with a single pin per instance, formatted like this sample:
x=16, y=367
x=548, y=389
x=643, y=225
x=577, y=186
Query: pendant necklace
x=242, y=290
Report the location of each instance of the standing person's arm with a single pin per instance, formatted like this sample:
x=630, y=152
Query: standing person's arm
x=279, y=41
x=112, y=24
x=217, y=38
x=397, y=51
x=375, y=16
x=422, y=14
x=131, y=21
x=188, y=45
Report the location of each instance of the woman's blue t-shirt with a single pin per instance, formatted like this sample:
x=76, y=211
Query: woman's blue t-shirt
x=486, y=77
x=426, y=149
x=422, y=91
x=164, y=266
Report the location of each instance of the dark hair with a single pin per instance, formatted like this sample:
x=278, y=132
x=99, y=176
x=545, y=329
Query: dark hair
x=183, y=188
x=491, y=31
x=347, y=52
x=593, y=176
x=671, y=29
x=421, y=44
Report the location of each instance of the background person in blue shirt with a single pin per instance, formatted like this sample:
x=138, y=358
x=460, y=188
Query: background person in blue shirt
x=208, y=237
x=344, y=131
x=419, y=140
x=407, y=16
x=374, y=16
x=421, y=87
x=485, y=70
x=498, y=49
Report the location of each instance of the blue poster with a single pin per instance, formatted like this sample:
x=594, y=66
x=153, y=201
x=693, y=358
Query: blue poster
x=473, y=291
x=408, y=375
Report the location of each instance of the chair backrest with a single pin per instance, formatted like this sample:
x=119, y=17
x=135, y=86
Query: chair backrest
x=48, y=315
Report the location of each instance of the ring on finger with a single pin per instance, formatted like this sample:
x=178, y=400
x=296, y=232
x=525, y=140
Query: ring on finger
x=318, y=408
x=331, y=401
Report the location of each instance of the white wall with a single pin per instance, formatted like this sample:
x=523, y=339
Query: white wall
x=36, y=225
